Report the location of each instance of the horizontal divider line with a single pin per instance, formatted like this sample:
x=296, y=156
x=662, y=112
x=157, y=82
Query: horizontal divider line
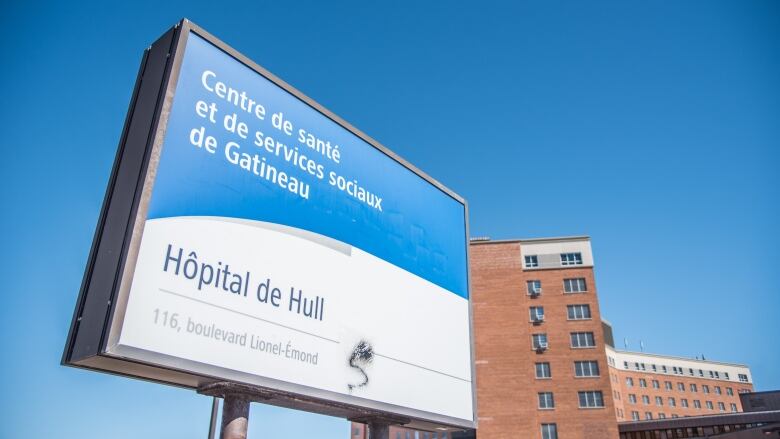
x=422, y=367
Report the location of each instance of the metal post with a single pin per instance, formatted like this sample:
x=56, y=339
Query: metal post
x=235, y=416
x=378, y=430
x=213, y=423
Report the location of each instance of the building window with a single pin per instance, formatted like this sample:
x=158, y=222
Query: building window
x=743, y=378
x=705, y=388
x=690, y=372
x=656, y=385
x=664, y=369
x=684, y=402
x=642, y=382
x=655, y=368
x=536, y=313
x=582, y=340
x=546, y=400
x=571, y=259
x=659, y=401
x=721, y=407
x=590, y=399
x=356, y=431
x=661, y=416
x=586, y=368
x=701, y=373
x=668, y=385
x=726, y=374
x=625, y=365
x=634, y=416
x=539, y=341
x=645, y=400
x=575, y=285
x=709, y=405
x=693, y=388
x=578, y=312
x=672, y=402
x=632, y=398
x=531, y=261
x=681, y=387
x=717, y=390
x=534, y=287
x=733, y=407
x=629, y=382
x=549, y=431
x=696, y=404
x=543, y=370
x=648, y=415
x=729, y=391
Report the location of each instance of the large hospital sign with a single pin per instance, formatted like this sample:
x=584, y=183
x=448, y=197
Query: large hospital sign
x=250, y=235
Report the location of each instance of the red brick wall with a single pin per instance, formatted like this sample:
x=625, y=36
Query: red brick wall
x=619, y=382
x=506, y=384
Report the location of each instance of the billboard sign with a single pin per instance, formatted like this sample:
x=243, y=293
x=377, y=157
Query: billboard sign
x=250, y=235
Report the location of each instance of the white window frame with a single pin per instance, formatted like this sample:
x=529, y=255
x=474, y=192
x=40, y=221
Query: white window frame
x=534, y=315
x=586, y=368
x=550, y=431
x=535, y=338
x=575, y=285
x=569, y=259
x=531, y=261
x=545, y=366
x=581, y=337
x=578, y=311
x=545, y=400
x=593, y=399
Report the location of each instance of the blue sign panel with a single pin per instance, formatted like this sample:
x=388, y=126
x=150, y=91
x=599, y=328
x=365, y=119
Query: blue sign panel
x=239, y=146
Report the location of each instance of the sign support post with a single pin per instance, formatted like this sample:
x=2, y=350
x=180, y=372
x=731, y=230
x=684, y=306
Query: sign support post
x=213, y=422
x=378, y=430
x=235, y=417
x=235, y=406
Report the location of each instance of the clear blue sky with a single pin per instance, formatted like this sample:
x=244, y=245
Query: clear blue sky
x=653, y=127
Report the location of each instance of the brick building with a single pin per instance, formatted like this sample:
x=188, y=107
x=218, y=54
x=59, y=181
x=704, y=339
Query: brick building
x=546, y=366
x=648, y=386
x=540, y=349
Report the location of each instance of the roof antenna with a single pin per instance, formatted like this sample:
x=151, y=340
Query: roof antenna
x=641, y=345
x=625, y=343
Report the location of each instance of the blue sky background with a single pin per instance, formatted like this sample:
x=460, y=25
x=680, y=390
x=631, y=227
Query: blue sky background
x=653, y=127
